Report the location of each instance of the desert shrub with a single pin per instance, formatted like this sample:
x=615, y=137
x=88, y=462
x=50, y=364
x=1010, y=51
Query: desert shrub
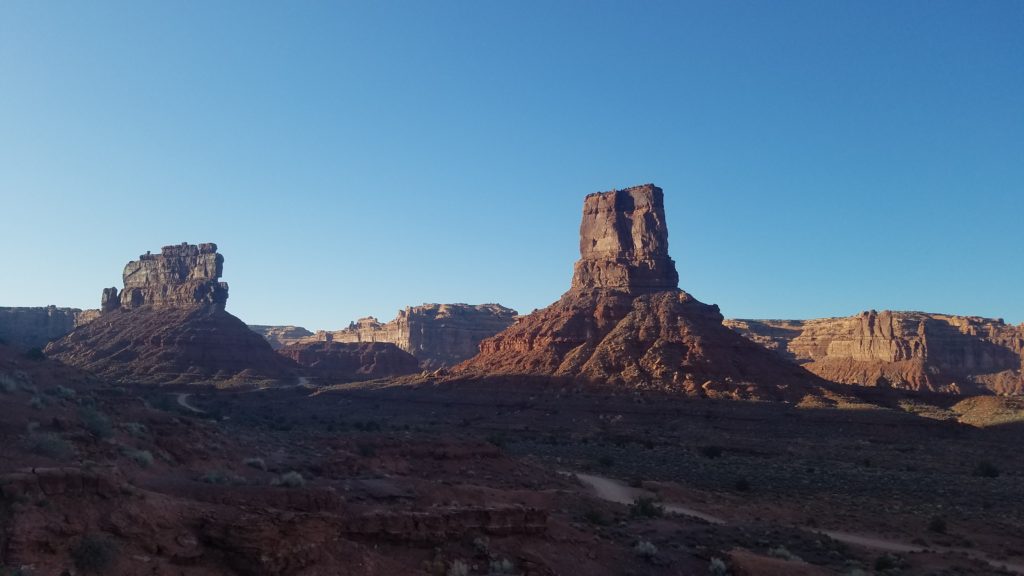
x=257, y=463
x=143, y=458
x=645, y=549
x=986, y=469
x=595, y=517
x=711, y=451
x=644, y=507
x=51, y=446
x=482, y=545
x=888, y=562
x=606, y=461
x=458, y=568
x=214, y=477
x=64, y=392
x=496, y=439
x=37, y=402
x=937, y=524
x=96, y=422
x=94, y=553
x=35, y=354
x=502, y=566
x=742, y=485
x=136, y=429
x=781, y=552
x=8, y=385
x=290, y=480
x=717, y=567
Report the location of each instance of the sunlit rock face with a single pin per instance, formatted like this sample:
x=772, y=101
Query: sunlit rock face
x=913, y=350
x=624, y=321
x=181, y=275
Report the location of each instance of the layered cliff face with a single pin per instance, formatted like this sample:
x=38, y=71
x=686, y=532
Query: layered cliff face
x=345, y=362
x=624, y=321
x=912, y=350
x=437, y=335
x=182, y=275
x=168, y=324
x=32, y=327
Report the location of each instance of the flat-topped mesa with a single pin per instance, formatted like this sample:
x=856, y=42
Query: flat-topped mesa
x=182, y=275
x=624, y=242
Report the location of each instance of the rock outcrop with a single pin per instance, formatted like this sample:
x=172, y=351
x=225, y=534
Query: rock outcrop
x=911, y=350
x=625, y=322
x=32, y=327
x=438, y=335
x=182, y=275
x=346, y=362
x=168, y=325
x=281, y=336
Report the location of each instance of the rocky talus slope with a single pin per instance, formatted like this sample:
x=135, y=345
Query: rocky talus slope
x=168, y=324
x=911, y=350
x=624, y=320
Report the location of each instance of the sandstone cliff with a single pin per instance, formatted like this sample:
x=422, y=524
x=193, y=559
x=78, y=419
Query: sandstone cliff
x=33, y=327
x=625, y=322
x=912, y=350
x=345, y=362
x=437, y=335
x=168, y=324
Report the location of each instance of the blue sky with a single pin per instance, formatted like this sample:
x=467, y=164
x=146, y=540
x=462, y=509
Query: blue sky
x=818, y=158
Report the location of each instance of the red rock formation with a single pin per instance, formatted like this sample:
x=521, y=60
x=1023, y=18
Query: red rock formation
x=281, y=336
x=346, y=362
x=912, y=350
x=169, y=325
x=436, y=334
x=625, y=322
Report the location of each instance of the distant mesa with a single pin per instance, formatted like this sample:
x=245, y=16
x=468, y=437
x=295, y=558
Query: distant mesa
x=624, y=321
x=168, y=325
x=909, y=350
x=438, y=335
x=331, y=362
x=24, y=328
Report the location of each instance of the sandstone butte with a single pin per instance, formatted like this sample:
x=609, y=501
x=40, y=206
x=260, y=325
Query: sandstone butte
x=910, y=350
x=625, y=322
x=168, y=324
x=333, y=362
x=438, y=335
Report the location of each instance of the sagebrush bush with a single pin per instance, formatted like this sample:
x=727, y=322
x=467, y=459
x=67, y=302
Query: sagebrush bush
x=8, y=385
x=644, y=507
x=96, y=422
x=645, y=549
x=51, y=446
x=717, y=567
x=256, y=463
x=143, y=458
x=290, y=480
x=94, y=554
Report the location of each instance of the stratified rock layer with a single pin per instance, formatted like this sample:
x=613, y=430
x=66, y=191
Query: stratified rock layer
x=624, y=321
x=437, y=335
x=912, y=350
x=182, y=275
x=33, y=327
x=169, y=325
x=624, y=242
x=345, y=362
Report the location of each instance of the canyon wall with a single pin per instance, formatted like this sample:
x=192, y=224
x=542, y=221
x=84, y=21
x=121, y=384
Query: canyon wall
x=912, y=350
x=437, y=335
x=32, y=327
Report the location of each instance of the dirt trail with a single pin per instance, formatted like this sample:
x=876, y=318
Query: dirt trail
x=183, y=402
x=615, y=491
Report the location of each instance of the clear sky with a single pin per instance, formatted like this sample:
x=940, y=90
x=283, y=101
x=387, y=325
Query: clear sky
x=353, y=158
